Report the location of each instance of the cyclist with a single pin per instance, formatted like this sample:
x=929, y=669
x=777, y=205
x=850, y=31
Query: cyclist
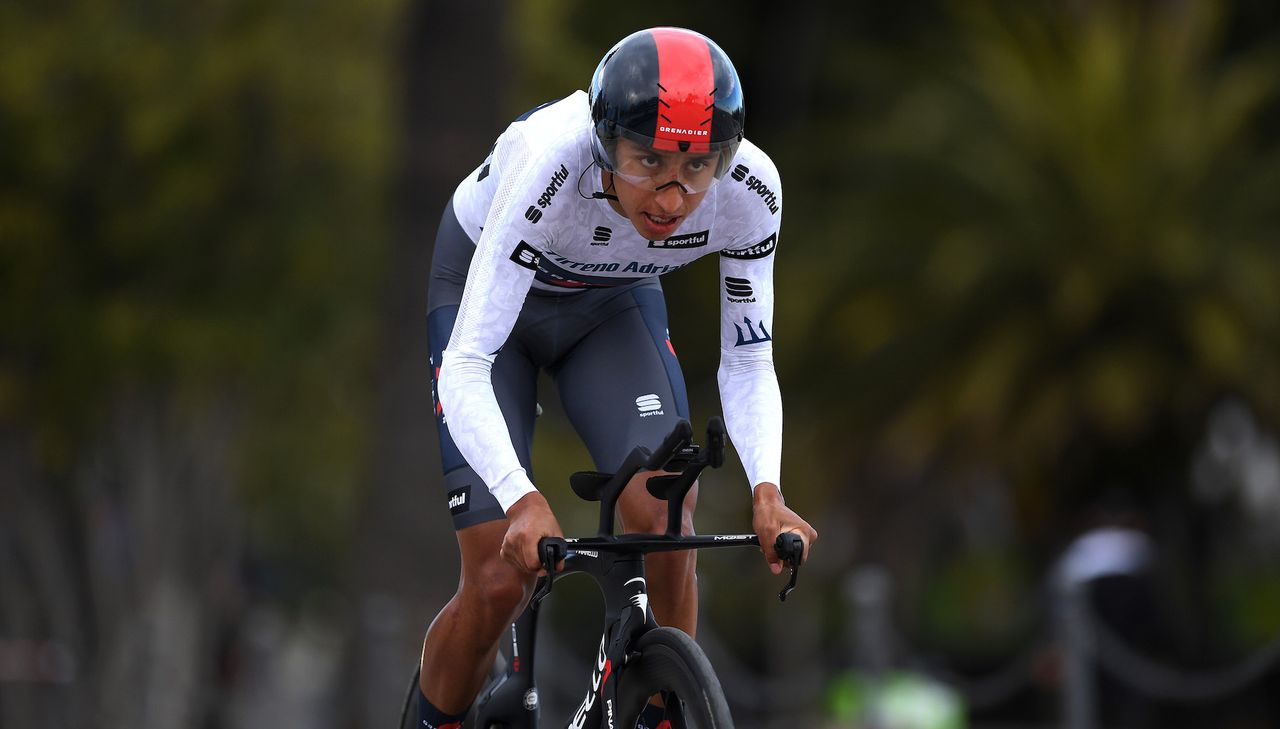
x=548, y=257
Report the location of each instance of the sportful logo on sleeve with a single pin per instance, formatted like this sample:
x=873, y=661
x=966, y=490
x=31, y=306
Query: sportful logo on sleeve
x=759, y=250
x=738, y=290
x=558, y=178
x=741, y=173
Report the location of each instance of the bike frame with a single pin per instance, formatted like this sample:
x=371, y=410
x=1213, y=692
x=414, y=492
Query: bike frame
x=616, y=564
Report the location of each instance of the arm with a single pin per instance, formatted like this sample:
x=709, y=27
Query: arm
x=501, y=273
x=749, y=389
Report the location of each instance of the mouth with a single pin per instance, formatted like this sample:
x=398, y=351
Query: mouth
x=661, y=222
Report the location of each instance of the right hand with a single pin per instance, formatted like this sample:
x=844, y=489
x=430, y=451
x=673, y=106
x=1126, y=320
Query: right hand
x=770, y=516
x=529, y=520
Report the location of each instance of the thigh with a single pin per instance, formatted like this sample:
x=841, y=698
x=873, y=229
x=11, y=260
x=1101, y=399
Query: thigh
x=621, y=385
x=515, y=386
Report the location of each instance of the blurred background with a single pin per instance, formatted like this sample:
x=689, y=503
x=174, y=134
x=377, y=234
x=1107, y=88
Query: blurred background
x=1028, y=334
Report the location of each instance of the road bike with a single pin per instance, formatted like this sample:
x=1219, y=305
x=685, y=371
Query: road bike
x=638, y=661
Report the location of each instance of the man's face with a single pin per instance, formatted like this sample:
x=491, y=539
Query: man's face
x=651, y=187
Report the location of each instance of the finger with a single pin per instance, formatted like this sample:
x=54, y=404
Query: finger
x=771, y=556
x=808, y=535
x=811, y=537
x=534, y=561
x=801, y=532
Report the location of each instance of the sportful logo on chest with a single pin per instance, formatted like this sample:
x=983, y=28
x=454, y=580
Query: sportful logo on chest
x=692, y=240
x=526, y=256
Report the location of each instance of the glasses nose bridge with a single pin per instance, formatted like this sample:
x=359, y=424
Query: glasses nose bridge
x=666, y=199
x=672, y=171
x=674, y=182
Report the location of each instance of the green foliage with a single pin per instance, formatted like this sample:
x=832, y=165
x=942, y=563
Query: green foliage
x=1066, y=224
x=192, y=206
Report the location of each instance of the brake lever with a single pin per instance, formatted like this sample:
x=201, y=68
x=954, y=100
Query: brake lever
x=551, y=550
x=790, y=548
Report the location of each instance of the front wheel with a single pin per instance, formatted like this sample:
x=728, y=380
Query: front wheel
x=672, y=666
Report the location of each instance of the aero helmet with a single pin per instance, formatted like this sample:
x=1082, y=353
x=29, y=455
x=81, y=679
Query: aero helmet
x=668, y=89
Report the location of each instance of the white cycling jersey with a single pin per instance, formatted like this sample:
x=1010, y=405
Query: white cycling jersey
x=530, y=210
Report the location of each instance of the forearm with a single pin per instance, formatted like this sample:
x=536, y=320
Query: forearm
x=478, y=428
x=752, y=405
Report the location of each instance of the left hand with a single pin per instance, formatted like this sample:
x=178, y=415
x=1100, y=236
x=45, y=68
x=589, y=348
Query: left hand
x=771, y=517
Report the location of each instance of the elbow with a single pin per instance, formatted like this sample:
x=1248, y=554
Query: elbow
x=734, y=363
x=457, y=372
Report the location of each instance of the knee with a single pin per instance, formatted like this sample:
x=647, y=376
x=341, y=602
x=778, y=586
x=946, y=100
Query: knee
x=650, y=519
x=645, y=514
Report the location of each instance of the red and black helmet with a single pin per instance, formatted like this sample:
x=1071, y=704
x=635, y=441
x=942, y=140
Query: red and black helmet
x=668, y=89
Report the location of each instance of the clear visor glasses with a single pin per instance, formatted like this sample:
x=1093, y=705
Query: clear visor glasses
x=653, y=169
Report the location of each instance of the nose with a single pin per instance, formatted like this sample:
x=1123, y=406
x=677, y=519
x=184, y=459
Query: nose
x=670, y=197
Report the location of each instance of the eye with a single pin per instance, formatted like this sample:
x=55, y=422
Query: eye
x=650, y=161
x=701, y=164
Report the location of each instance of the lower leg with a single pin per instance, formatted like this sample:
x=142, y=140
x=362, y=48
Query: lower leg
x=673, y=589
x=672, y=577
x=463, y=639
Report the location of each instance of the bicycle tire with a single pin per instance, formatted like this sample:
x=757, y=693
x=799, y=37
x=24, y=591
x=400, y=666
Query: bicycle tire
x=672, y=665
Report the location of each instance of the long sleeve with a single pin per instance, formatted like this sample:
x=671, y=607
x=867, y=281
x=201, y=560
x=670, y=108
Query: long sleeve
x=500, y=276
x=749, y=390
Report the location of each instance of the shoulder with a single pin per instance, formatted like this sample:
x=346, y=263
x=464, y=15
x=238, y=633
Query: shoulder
x=753, y=186
x=753, y=161
x=558, y=142
x=542, y=152
x=553, y=126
